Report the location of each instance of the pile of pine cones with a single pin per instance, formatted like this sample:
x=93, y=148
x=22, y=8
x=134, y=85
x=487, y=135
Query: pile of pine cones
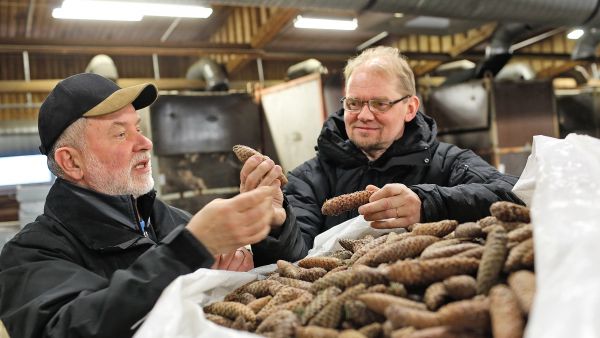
x=440, y=279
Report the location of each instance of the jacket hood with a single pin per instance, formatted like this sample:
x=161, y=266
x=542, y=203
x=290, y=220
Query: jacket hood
x=334, y=145
x=101, y=221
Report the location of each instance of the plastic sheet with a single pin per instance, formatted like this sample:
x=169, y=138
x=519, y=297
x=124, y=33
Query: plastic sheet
x=562, y=184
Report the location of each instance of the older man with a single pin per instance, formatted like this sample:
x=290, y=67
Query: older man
x=378, y=141
x=99, y=257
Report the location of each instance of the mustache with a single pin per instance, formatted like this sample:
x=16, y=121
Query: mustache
x=141, y=157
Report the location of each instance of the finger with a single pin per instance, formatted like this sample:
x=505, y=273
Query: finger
x=378, y=206
x=271, y=176
x=248, y=262
x=251, y=199
x=402, y=209
x=217, y=262
x=252, y=228
x=403, y=222
x=384, y=214
x=389, y=190
x=249, y=166
x=236, y=261
x=259, y=173
x=371, y=187
x=226, y=260
x=259, y=235
x=255, y=213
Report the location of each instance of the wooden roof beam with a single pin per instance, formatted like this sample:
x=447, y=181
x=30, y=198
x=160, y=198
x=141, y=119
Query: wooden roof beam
x=475, y=37
x=557, y=69
x=266, y=33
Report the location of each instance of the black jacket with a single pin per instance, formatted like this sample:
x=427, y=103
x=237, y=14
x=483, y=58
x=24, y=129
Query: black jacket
x=452, y=183
x=84, y=269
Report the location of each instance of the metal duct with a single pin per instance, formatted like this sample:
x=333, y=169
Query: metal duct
x=504, y=36
x=211, y=72
x=516, y=72
x=103, y=65
x=497, y=53
x=585, y=48
x=305, y=67
x=546, y=12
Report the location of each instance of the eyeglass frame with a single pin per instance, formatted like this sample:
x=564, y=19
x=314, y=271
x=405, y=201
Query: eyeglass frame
x=391, y=103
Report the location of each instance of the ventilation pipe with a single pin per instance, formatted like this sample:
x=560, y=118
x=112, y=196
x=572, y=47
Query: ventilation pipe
x=543, y=12
x=585, y=48
x=211, y=72
x=304, y=68
x=497, y=53
x=516, y=72
x=103, y=65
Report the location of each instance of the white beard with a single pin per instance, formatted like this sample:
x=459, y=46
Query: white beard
x=118, y=183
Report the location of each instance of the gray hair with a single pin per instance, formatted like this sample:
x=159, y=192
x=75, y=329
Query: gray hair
x=388, y=60
x=73, y=136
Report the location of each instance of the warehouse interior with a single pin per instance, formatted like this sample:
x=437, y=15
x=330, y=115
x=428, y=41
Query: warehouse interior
x=492, y=74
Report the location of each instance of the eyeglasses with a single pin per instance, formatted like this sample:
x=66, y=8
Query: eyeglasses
x=376, y=106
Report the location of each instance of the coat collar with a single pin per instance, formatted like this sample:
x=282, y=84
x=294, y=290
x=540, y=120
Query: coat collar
x=102, y=222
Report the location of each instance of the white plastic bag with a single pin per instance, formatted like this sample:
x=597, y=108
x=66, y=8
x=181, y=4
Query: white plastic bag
x=565, y=212
x=178, y=312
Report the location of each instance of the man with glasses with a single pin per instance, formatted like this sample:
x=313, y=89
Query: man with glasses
x=378, y=141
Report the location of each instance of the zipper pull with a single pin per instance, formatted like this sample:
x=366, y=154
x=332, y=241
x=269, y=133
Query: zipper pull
x=143, y=228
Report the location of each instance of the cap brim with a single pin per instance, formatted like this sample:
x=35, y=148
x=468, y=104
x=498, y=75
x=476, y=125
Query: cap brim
x=140, y=96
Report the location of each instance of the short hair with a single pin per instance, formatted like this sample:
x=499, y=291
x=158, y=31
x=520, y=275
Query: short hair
x=388, y=60
x=72, y=136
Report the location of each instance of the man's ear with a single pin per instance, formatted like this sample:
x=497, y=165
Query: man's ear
x=412, y=108
x=70, y=161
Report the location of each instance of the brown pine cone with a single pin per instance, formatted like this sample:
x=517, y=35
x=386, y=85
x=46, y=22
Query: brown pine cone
x=243, y=153
x=347, y=202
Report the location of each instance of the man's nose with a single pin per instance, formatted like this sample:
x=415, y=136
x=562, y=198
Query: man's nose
x=143, y=143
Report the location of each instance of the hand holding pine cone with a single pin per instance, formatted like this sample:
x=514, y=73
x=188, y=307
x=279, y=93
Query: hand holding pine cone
x=243, y=153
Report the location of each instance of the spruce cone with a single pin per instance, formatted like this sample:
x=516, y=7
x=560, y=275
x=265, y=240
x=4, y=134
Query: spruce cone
x=510, y=212
x=347, y=202
x=243, y=153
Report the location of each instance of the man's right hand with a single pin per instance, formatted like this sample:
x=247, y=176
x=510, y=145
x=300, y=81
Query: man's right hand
x=224, y=225
x=259, y=171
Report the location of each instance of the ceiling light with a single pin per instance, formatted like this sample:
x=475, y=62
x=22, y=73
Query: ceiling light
x=372, y=40
x=125, y=11
x=575, y=34
x=398, y=15
x=316, y=23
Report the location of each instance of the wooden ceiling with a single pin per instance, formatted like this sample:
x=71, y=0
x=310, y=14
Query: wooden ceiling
x=233, y=36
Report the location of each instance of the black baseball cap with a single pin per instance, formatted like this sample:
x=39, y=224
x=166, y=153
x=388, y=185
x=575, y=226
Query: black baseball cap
x=85, y=95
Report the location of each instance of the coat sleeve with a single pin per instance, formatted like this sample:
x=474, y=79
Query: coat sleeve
x=46, y=293
x=304, y=193
x=471, y=186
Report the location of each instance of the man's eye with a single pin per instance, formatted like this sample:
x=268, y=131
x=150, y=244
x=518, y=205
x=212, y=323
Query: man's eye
x=121, y=134
x=353, y=104
x=379, y=105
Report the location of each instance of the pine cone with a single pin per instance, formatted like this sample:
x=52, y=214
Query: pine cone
x=344, y=203
x=243, y=153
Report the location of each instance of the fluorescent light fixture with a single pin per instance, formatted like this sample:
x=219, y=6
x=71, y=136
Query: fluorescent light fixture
x=372, y=40
x=23, y=170
x=125, y=11
x=316, y=23
x=575, y=34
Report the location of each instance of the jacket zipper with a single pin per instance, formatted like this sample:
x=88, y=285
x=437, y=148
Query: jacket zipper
x=137, y=218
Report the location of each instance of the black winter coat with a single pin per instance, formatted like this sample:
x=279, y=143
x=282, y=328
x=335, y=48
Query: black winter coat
x=452, y=183
x=84, y=269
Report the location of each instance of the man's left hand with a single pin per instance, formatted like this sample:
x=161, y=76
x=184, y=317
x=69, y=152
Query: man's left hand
x=239, y=260
x=393, y=206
